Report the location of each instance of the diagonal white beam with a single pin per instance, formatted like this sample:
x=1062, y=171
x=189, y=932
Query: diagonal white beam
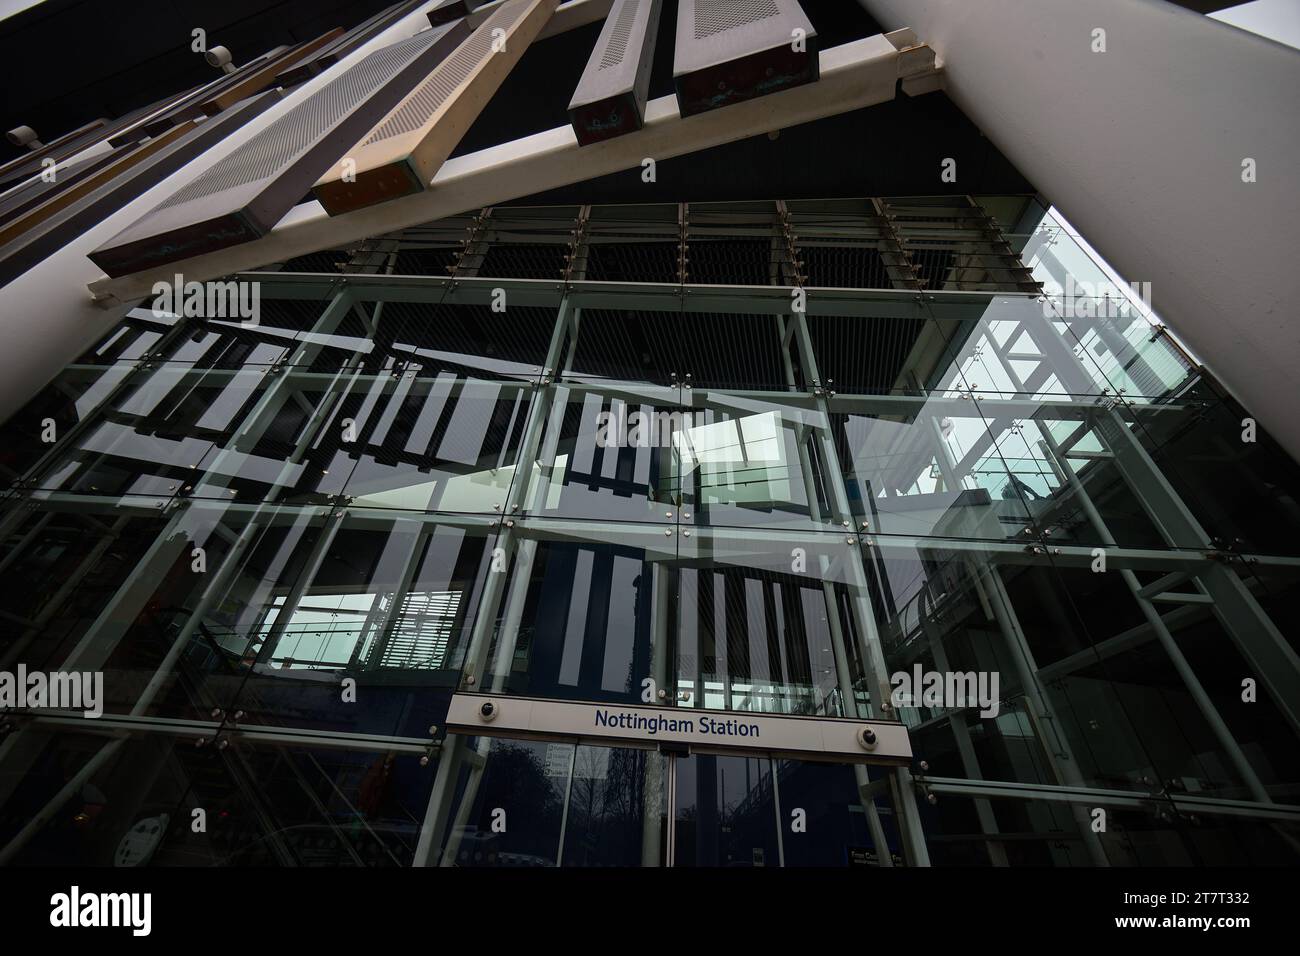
x=854, y=75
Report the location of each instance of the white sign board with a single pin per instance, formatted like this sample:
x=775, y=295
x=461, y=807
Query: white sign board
x=804, y=738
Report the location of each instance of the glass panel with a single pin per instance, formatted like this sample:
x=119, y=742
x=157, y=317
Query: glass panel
x=925, y=466
x=617, y=807
x=609, y=453
x=912, y=440
x=885, y=345
x=356, y=623
x=771, y=622
x=1184, y=679
x=466, y=340
x=672, y=347
x=994, y=677
x=76, y=394
x=1135, y=357
x=304, y=618
x=725, y=812
x=1226, y=470
x=512, y=810
x=1217, y=839
x=746, y=460
x=431, y=443
x=136, y=596
x=1018, y=347
x=585, y=606
x=157, y=800
x=832, y=825
x=974, y=831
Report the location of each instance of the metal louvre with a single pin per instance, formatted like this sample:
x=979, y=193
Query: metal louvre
x=848, y=244
x=611, y=95
x=32, y=189
x=632, y=244
x=189, y=105
x=435, y=249
x=403, y=152
x=245, y=194
x=729, y=51
x=66, y=145
x=864, y=243
x=81, y=185
x=953, y=244
x=36, y=190
x=733, y=243
x=339, y=48
x=41, y=239
x=134, y=130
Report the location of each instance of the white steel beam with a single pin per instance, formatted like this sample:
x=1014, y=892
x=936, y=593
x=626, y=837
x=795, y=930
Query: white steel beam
x=854, y=75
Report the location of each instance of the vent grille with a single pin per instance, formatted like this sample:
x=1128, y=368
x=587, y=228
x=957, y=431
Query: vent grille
x=716, y=16
x=438, y=88
x=273, y=147
x=620, y=36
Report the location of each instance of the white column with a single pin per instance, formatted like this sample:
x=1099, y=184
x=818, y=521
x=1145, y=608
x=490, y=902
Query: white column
x=1141, y=147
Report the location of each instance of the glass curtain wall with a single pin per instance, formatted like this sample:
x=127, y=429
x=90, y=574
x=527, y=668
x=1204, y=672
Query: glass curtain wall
x=747, y=457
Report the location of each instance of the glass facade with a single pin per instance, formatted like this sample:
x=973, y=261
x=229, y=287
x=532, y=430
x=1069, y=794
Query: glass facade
x=753, y=457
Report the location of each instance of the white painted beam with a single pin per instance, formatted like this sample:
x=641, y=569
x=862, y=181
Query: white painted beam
x=854, y=75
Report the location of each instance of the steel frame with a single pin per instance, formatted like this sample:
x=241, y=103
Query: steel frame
x=1188, y=554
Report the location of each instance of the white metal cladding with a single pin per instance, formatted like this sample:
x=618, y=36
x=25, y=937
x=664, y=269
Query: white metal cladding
x=355, y=38
x=704, y=731
x=427, y=98
x=622, y=58
x=195, y=138
x=714, y=16
x=299, y=128
x=710, y=32
x=619, y=27
x=425, y=126
x=266, y=169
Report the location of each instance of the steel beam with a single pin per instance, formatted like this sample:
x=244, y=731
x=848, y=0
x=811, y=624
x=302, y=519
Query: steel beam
x=853, y=76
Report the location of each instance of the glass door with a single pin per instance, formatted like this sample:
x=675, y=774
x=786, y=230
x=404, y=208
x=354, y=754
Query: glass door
x=724, y=812
x=553, y=803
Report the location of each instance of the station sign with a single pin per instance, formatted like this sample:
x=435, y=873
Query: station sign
x=678, y=728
